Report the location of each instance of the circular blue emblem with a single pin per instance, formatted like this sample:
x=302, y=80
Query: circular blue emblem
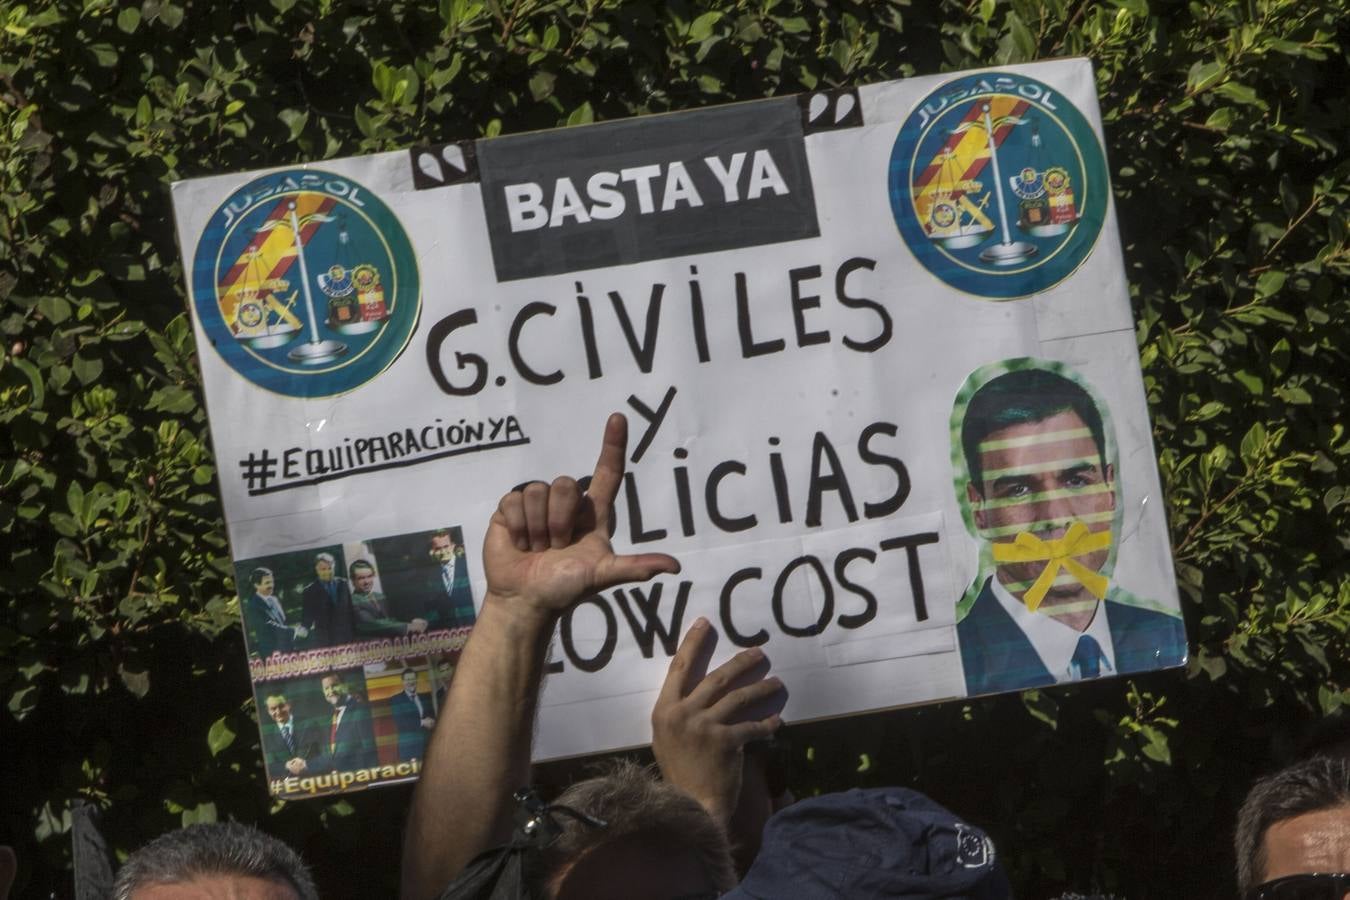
x=306, y=283
x=998, y=185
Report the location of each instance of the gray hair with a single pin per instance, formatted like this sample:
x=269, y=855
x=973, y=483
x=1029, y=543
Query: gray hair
x=632, y=801
x=1312, y=785
x=221, y=848
x=325, y=557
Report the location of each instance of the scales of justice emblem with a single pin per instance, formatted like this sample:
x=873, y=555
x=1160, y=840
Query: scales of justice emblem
x=312, y=279
x=265, y=317
x=997, y=184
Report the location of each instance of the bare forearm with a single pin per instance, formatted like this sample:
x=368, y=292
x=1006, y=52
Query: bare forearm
x=479, y=752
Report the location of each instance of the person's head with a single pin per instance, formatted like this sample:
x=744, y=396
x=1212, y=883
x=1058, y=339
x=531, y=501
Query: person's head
x=223, y=859
x=363, y=576
x=409, y=681
x=1296, y=822
x=1035, y=449
x=334, y=690
x=873, y=842
x=324, y=565
x=655, y=836
x=279, y=708
x=445, y=669
x=262, y=581
x=441, y=547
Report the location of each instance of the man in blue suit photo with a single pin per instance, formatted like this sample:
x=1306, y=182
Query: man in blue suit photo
x=1041, y=491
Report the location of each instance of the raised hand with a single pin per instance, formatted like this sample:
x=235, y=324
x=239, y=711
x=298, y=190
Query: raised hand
x=547, y=546
x=702, y=722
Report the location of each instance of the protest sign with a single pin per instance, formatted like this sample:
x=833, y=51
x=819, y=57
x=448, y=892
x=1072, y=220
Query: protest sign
x=875, y=346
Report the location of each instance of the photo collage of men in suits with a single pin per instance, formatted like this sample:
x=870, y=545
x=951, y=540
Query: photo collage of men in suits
x=354, y=594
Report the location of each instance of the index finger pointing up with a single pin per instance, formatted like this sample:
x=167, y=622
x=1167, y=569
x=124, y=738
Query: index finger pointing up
x=609, y=467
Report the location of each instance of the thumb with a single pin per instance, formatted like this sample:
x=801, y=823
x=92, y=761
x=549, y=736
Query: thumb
x=633, y=567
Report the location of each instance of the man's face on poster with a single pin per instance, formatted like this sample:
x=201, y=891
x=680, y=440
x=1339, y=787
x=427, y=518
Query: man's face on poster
x=442, y=549
x=1040, y=477
x=279, y=708
x=410, y=683
x=265, y=585
x=363, y=579
x=334, y=691
x=323, y=569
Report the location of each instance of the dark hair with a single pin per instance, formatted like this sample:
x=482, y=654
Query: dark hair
x=257, y=575
x=359, y=564
x=443, y=533
x=1312, y=785
x=221, y=848
x=1026, y=395
x=633, y=802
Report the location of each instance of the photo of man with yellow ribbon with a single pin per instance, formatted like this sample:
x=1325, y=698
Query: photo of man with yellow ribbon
x=1034, y=459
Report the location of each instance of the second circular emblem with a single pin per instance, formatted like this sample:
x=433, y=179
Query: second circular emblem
x=998, y=185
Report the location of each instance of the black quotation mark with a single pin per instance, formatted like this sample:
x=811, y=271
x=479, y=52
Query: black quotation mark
x=828, y=110
x=443, y=164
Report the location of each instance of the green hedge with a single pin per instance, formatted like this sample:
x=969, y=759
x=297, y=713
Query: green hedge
x=121, y=669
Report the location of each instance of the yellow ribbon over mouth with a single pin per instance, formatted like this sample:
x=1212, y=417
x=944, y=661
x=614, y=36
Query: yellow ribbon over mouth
x=1059, y=554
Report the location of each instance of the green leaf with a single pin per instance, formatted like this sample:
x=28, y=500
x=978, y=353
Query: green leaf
x=701, y=28
x=1253, y=444
x=364, y=121
x=551, y=37
x=173, y=399
x=541, y=85
x=1022, y=38
x=220, y=736
x=136, y=682
x=1269, y=283
x=129, y=19
x=1203, y=75
x=75, y=497
x=35, y=381
x=582, y=115
x=56, y=309
x=105, y=55
x=87, y=369
x=794, y=25
x=1221, y=118
x=1238, y=93
x=986, y=10
x=201, y=814
x=1251, y=382
x=170, y=15
x=294, y=120
x=1155, y=745
x=1207, y=411
x=233, y=107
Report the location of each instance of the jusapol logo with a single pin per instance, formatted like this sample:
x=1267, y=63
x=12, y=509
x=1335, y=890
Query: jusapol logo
x=306, y=283
x=998, y=185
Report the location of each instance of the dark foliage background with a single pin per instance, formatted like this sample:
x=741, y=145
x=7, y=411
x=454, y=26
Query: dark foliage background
x=121, y=670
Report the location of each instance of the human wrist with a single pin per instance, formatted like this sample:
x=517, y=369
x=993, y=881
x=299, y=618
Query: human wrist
x=519, y=614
